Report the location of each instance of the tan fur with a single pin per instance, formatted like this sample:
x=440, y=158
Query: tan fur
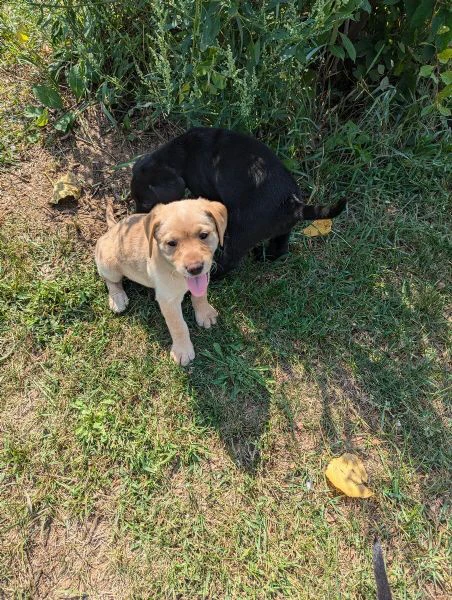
x=137, y=248
x=109, y=214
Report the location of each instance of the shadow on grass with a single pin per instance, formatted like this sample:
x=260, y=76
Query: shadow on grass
x=228, y=388
x=230, y=394
x=379, y=343
x=354, y=342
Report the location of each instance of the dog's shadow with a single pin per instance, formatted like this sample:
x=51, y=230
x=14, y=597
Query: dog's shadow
x=228, y=387
x=230, y=382
x=230, y=393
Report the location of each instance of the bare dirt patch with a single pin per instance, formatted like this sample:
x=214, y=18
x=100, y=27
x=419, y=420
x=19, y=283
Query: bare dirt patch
x=64, y=560
x=93, y=153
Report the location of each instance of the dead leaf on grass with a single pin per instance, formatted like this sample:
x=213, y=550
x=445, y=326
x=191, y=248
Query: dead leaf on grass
x=347, y=474
x=22, y=37
x=67, y=187
x=319, y=227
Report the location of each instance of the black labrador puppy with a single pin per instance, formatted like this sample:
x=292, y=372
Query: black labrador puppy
x=262, y=198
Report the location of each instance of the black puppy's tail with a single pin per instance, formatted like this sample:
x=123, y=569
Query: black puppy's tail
x=310, y=213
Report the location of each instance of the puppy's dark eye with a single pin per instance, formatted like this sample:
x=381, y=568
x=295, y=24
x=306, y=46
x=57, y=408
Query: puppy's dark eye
x=172, y=243
x=203, y=235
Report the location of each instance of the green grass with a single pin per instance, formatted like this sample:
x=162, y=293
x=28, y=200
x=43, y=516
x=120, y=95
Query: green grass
x=123, y=474
x=202, y=476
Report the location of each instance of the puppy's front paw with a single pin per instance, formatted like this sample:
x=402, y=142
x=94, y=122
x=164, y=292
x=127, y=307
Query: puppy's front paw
x=206, y=317
x=182, y=354
x=118, y=302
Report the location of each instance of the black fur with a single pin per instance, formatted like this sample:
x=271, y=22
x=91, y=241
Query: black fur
x=261, y=196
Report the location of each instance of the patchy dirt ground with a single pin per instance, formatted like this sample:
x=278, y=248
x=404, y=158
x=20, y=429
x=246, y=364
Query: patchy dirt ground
x=92, y=153
x=66, y=558
x=345, y=361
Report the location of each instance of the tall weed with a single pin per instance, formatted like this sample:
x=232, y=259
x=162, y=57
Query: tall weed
x=270, y=65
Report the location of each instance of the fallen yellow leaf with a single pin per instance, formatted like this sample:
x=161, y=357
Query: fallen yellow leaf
x=66, y=187
x=347, y=474
x=22, y=36
x=319, y=227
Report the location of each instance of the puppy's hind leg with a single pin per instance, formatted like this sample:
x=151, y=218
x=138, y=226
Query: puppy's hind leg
x=117, y=298
x=258, y=252
x=278, y=246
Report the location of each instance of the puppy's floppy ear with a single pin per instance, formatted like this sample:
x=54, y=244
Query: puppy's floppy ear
x=218, y=212
x=151, y=224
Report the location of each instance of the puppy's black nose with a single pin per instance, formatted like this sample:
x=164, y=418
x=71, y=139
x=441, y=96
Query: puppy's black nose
x=195, y=268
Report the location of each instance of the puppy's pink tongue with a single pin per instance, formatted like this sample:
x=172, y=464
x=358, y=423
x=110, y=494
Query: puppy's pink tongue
x=198, y=285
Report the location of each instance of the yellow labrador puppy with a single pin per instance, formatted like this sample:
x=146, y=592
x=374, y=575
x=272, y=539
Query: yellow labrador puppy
x=170, y=249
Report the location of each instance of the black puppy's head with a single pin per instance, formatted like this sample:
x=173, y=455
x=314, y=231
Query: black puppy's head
x=155, y=184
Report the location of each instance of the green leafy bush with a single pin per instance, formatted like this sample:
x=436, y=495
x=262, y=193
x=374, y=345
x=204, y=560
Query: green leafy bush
x=245, y=64
x=402, y=41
